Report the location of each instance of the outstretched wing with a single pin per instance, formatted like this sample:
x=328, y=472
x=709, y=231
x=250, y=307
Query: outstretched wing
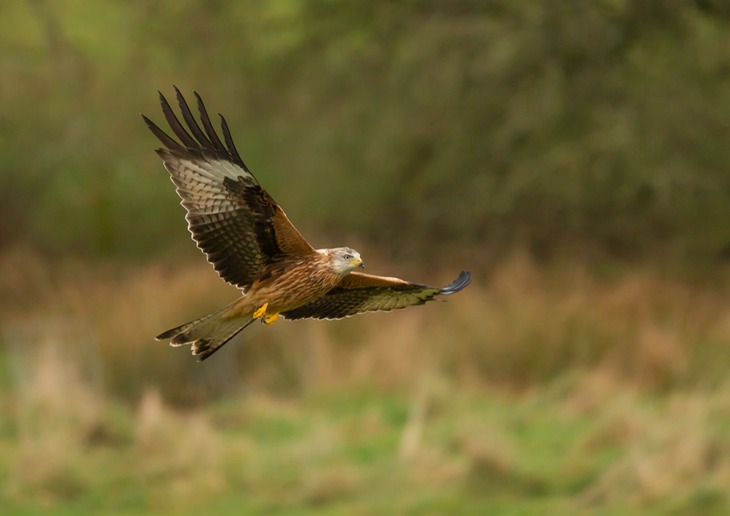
x=232, y=219
x=359, y=292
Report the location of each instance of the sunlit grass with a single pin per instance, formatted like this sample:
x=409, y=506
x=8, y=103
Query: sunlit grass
x=517, y=326
x=569, y=448
x=537, y=389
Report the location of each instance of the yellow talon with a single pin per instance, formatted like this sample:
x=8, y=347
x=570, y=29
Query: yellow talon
x=261, y=312
x=270, y=318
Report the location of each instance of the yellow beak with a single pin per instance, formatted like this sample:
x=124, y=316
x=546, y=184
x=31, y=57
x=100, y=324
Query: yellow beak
x=358, y=263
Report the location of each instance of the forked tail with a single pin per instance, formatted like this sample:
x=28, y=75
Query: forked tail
x=209, y=333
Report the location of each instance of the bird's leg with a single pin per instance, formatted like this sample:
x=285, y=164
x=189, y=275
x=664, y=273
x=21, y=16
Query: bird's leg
x=270, y=318
x=261, y=312
x=265, y=318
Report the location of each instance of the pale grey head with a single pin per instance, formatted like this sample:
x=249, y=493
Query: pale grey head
x=344, y=259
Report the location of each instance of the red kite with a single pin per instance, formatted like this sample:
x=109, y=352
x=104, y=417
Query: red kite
x=252, y=245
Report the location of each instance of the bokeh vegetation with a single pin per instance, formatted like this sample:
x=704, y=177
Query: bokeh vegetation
x=572, y=155
x=553, y=123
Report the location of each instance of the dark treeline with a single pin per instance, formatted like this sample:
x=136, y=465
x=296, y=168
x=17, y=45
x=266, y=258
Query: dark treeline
x=600, y=126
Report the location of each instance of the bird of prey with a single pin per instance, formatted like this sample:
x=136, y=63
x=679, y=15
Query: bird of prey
x=252, y=245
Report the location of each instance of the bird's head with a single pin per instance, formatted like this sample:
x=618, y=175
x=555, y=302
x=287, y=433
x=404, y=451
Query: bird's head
x=345, y=259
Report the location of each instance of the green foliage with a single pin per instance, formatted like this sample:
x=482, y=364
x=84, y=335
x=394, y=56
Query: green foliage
x=540, y=124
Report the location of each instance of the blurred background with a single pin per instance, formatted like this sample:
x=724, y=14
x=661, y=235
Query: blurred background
x=572, y=155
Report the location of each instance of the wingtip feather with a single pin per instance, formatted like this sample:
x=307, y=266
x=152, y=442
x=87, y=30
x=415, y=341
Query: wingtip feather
x=458, y=284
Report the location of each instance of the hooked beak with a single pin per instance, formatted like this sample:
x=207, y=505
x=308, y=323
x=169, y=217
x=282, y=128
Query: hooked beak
x=358, y=263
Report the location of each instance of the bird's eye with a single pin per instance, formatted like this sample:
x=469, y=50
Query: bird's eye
x=348, y=257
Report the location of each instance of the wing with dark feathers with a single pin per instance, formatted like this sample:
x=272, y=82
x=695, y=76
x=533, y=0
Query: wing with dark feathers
x=232, y=219
x=358, y=293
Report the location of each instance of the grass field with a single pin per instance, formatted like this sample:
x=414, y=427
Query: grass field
x=538, y=390
x=581, y=445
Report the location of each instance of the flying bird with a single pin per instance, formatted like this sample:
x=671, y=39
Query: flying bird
x=252, y=245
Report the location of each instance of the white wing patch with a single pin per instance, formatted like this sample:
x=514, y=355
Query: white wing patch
x=217, y=171
x=200, y=184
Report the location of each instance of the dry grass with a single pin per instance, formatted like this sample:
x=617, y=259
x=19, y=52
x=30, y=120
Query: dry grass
x=532, y=386
x=518, y=327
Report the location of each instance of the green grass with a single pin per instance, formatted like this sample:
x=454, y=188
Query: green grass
x=538, y=391
x=338, y=452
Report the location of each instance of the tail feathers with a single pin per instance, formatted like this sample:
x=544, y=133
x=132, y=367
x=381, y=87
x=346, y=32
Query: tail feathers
x=207, y=334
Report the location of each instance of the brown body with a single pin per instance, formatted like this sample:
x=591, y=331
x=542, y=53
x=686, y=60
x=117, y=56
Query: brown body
x=288, y=285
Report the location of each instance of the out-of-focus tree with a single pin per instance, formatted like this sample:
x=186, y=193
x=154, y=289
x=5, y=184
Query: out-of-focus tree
x=599, y=125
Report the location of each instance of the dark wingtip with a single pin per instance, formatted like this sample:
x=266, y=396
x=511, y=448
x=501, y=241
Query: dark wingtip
x=165, y=335
x=458, y=284
x=229, y=143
